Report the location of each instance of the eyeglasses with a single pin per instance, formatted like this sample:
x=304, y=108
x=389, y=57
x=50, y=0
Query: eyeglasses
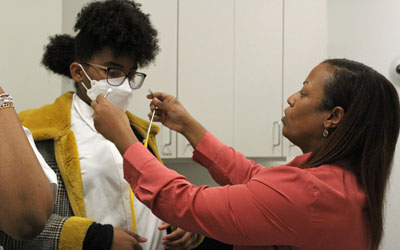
x=116, y=77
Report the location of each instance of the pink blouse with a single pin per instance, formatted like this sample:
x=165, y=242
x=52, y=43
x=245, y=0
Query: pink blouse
x=283, y=207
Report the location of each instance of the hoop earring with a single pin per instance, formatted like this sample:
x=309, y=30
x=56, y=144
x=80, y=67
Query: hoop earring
x=325, y=133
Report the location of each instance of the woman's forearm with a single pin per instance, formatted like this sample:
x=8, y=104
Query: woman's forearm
x=24, y=185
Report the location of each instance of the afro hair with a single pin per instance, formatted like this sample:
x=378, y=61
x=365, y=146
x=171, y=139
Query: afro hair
x=59, y=54
x=117, y=24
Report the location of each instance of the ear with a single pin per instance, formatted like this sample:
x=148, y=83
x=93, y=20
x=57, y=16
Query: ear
x=77, y=72
x=335, y=117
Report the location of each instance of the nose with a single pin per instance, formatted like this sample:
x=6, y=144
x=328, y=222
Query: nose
x=291, y=100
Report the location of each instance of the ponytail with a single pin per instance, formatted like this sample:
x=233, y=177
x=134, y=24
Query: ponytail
x=59, y=54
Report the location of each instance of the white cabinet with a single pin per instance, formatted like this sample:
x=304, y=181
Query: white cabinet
x=305, y=46
x=205, y=66
x=233, y=63
x=230, y=72
x=258, y=77
x=223, y=60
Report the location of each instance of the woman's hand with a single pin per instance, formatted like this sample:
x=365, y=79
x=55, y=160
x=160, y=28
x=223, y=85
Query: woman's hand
x=171, y=113
x=179, y=238
x=112, y=123
x=126, y=240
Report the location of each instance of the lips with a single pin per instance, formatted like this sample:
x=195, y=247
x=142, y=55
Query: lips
x=283, y=119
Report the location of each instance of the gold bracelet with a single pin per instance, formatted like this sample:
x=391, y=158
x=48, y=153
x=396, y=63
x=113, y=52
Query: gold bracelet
x=7, y=105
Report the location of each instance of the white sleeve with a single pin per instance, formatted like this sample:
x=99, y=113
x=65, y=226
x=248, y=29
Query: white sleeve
x=51, y=176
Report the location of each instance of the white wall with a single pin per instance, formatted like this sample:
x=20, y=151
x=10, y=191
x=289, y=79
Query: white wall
x=25, y=27
x=368, y=31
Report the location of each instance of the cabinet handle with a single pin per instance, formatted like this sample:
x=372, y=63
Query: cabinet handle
x=278, y=125
x=166, y=148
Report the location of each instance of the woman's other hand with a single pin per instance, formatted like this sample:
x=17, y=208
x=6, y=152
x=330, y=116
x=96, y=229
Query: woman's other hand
x=126, y=240
x=171, y=113
x=112, y=123
x=179, y=238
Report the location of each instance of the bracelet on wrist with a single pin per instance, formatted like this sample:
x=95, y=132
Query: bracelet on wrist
x=6, y=101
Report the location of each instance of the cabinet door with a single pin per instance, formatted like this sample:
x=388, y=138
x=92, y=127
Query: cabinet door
x=205, y=63
x=162, y=74
x=258, y=77
x=305, y=43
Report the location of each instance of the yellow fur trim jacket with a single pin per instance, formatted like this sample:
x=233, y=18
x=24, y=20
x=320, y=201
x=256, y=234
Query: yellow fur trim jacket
x=50, y=125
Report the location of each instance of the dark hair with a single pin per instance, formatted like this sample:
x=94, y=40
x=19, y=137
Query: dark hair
x=117, y=24
x=366, y=137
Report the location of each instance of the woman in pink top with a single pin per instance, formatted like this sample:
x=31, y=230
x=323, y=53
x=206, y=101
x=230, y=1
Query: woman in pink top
x=345, y=119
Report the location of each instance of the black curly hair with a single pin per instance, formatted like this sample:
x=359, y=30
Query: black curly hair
x=117, y=24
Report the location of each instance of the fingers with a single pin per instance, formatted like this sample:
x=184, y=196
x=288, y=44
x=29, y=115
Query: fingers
x=177, y=234
x=161, y=96
x=164, y=226
x=93, y=104
x=136, y=236
x=157, y=115
x=99, y=99
x=158, y=104
x=160, y=100
x=183, y=239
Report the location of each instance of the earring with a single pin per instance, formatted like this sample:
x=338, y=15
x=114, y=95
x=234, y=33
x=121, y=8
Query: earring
x=325, y=133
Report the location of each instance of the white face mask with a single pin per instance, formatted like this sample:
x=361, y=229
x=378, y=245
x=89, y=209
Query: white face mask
x=120, y=96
